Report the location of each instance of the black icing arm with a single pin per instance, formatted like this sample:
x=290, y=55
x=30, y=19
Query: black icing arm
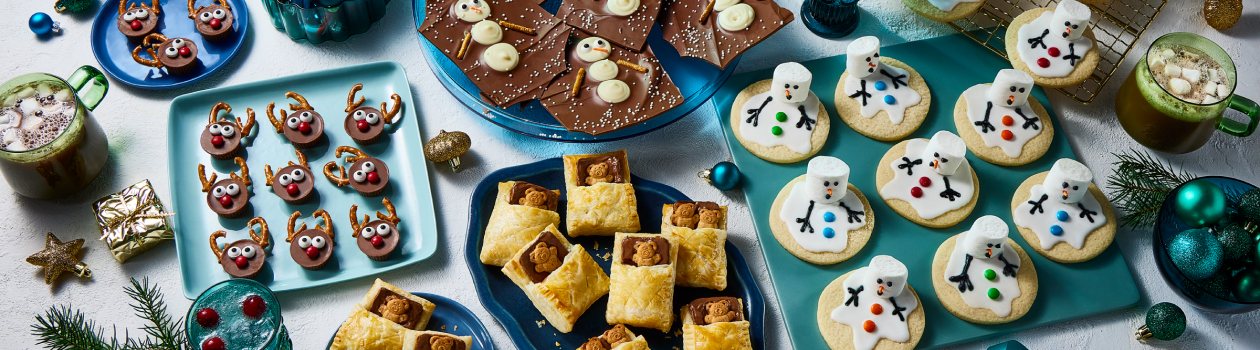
x=949, y=193
x=805, y=224
x=1041, y=40
x=1086, y=213
x=1028, y=122
x=755, y=113
x=963, y=279
x=853, y=215
x=897, y=80
x=805, y=120
x=1072, y=57
x=1036, y=205
x=908, y=164
x=853, y=296
x=861, y=93
x=1008, y=269
x=897, y=310
x=985, y=125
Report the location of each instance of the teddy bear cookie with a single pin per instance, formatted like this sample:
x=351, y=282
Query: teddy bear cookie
x=820, y=217
x=1055, y=46
x=781, y=120
x=880, y=97
x=1000, y=123
x=872, y=307
x=929, y=181
x=984, y=277
x=1062, y=215
x=943, y=10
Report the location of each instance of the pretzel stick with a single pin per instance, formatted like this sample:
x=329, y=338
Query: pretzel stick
x=463, y=45
x=630, y=65
x=577, y=82
x=708, y=9
x=517, y=27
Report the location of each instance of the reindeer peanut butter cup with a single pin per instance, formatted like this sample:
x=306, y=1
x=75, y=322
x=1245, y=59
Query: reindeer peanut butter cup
x=311, y=248
x=378, y=239
x=368, y=175
x=228, y=197
x=367, y=124
x=303, y=126
x=214, y=22
x=138, y=21
x=293, y=183
x=224, y=138
x=243, y=258
x=178, y=56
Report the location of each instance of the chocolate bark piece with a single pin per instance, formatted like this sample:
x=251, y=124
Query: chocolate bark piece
x=180, y=64
x=388, y=243
x=136, y=28
x=628, y=251
x=250, y=267
x=699, y=308
x=362, y=131
x=430, y=341
x=214, y=22
x=301, y=189
x=311, y=257
x=235, y=205
x=540, y=52
x=614, y=162
x=396, y=308
x=652, y=92
x=593, y=17
x=375, y=176
x=528, y=264
x=522, y=188
x=681, y=26
x=293, y=127
x=230, y=146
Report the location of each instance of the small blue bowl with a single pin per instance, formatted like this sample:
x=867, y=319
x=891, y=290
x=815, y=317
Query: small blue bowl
x=1206, y=295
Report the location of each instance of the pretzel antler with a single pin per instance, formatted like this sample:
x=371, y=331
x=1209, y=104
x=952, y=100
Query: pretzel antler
x=219, y=107
x=355, y=153
x=351, y=104
x=156, y=7
x=301, y=158
x=302, y=104
x=272, y=116
x=244, y=176
x=391, y=113
x=268, y=176
x=389, y=207
x=201, y=175
x=265, y=234
x=354, y=220
x=246, y=127
x=323, y=214
x=122, y=7
x=148, y=47
x=214, y=243
x=191, y=10
x=336, y=180
x=292, y=223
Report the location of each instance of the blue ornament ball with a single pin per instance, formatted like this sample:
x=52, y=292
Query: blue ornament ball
x=1197, y=253
x=42, y=24
x=1200, y=203
x=723, y=176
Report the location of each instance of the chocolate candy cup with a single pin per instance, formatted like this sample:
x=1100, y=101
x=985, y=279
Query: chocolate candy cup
x=147, y=26
x=252, y=265
x=231, y=145
x=295, y=135
x=305, y=261
x=178, y=65
x=208, y=31
x=305, y=187
x=239, y=202
x=366, y=187
x=372, y=132
x=390, y=242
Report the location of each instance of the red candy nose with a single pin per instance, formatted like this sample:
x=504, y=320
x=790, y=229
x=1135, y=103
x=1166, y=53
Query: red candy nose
x=377, y=241
x=216, y=23
x=185, y=51
x=242, y=262
x=292, y=189
x=304, y=128
x=363, y=125
x=217, y=141
x=373, y=178
x=312, y=252
x=225, y=201
x=136, y=24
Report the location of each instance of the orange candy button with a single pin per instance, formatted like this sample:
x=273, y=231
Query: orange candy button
x=877, y=309
x=1008, y=135
x=868, y=326
x=1007, y=120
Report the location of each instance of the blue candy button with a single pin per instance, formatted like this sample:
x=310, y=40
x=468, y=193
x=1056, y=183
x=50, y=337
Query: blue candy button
x=828, y=232
x=1056, y=230
x=889, y=99
x=880, y=85
x=1062, y=216
x=829, y=217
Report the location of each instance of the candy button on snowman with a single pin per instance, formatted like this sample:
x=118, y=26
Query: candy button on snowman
x=982, y=276
x=929, y=181
x=1060, y=206
x=875, y=303
x=1055, y=45
x=819, y=212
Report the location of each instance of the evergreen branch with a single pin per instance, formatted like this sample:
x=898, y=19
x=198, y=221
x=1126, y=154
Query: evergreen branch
x=61, y=327
x=1139, y=186
x=164, y=333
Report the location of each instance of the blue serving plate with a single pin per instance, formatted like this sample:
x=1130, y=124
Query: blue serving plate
x=509, y=305
x=113, y=49
x=450, y=316
x=326, y=90
x=696, y=79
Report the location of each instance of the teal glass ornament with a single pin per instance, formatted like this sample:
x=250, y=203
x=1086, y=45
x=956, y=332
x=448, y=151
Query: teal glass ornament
x=1200, y=203
x=1246, y=285
x=1197, y=253
x=1164, y=321
x=723, y=176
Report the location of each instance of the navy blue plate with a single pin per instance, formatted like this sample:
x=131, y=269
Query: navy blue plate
x=451, y=317
x=113, y=49
x=509, y=305
x=696, y=79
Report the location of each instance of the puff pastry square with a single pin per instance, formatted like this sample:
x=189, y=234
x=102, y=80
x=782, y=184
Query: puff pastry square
x=619, y=337
x=701, y=246
x=642, y=296
x=431, y=340
x=367, y=331
x=407, y=310
x=562, y=295
x=602, y=208
x=726, y=335
x=512, y=225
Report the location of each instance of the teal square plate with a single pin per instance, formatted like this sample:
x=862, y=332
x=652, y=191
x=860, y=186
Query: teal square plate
x=950, y=65
x=326, y=91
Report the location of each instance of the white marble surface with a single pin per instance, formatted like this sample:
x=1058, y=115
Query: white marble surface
x=135, y=121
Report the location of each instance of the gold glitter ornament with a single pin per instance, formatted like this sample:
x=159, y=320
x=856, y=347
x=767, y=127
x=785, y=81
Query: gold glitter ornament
x=447, y=147
x=1222, y=14
x=58, y=257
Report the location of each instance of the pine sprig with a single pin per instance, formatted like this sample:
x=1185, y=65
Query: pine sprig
x=1139, y=185
x=164, y=332
x=63, y=327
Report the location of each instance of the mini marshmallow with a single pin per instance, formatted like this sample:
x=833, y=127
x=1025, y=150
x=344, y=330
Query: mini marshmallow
x=862, y=58
x=986, y=239
x=1068, y=181
x=885, y=276
x=1010, y=88
x=791, y=83
x=1070, y=19
x=827, y=179
x=945, y=152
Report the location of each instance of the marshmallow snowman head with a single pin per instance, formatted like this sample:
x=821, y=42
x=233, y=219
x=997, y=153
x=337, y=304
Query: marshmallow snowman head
x=945, y=153
x=1068, y=181
x=862, y=58
x=827, y=179
x=986, y=239
x=791, y=83
x=1070, y=19
x=1010, y=88
x=885, y=276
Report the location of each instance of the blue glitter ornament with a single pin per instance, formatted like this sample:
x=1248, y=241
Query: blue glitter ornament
x=829, y=217
x=42, y=24
x=889, y=99
x=723, y=176
x=1197, y=253
x=828, y=232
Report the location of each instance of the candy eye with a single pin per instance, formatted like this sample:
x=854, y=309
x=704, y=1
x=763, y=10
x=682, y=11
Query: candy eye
x=205, y=17
x=1065, y=185
x=142, y=13
x=368, y=232
x=463, y=6
x=178, y=43
x=1012, y=89
x=369, y=166
x=234, y=252
x=215, y=129
x=129, y=16
x=233, y=189
x=383, y=230
x=292, y=123
x=218, y=191
x=586, y=46
x=298, y=175
x=306, y=117
x=319, y=242
x=249, y=252
x=171, y=51
x=304, y=242
x=358, y=115
x=229, y=131
x=284, y=180
x=1021, y=89
x=372, y=118
x=220, y=14
x=359, y=176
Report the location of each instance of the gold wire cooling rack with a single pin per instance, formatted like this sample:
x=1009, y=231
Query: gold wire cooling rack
x=1117, y=24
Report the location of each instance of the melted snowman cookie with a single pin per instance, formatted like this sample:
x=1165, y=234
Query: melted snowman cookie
x=820, y=217
x=1062, y=215
x=1055, y=46
x=944, y=11
x=781, y=120
x=880, y=97
x=1001, y=124
x=872, y=307
x=984, y=277
x=929, y=182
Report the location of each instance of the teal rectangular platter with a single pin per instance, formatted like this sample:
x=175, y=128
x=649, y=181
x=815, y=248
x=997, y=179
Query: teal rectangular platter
x=326, y=91
x=950, y=65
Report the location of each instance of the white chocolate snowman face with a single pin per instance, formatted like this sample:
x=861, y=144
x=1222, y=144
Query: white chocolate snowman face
x=827, y=179
x=593, y=49
x=945, y=153
x=1068, y=181
x=986, y=239
x=862, y=58
x=791, y=83
x=621, y=7
x=885, y=276
x=1010, y=88
x=471, y=11
x=1070, y=19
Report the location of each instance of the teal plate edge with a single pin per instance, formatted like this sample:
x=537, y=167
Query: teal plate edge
x=950, y=64
x=449, y=316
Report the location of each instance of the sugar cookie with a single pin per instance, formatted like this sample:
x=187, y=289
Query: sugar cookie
x=781, y=125
x=820, y=217
x=1055, y=46
x=1001, y=124
x=943, y=10
x=880, y=97
x=929, y=182
x=978, y=278
x=1069, y=226
x=872, y=307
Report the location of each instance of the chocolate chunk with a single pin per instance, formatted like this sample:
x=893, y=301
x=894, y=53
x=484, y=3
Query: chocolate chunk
x=430, y=341
x=228, y=147
x=608, y=168
x=528, y=194
x=312, y=257
x=248, y=267
x=700, y=309
x=527, y=260
x=399, y=309
x=593, y=17
x=682, y=28
x=388, y=242
x=301, y=189
x=652, y=92
x=629, y=251
x=369, y=176
x=234, y=205
x=209, y=23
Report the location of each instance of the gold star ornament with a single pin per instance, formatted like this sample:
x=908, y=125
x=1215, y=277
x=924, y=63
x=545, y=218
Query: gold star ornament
x=58, y=257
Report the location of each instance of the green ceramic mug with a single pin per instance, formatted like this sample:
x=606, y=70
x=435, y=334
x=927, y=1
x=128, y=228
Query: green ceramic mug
x=1161, y=121
x=50, y=146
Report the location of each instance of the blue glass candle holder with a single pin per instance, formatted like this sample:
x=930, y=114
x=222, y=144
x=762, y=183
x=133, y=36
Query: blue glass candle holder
x=1212, y=294
x=316, y=21
x=231, y=325
x=830, y=18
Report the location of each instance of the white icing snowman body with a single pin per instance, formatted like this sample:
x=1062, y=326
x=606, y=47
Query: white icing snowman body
x=499, y=56
x=1052, y=44
x=595, y=52
x=1060, y=209
x=1000, y=111
x=786, y=114
x=877, y=303
x=876, y=86
x=984, y=267
x=948, y=5
x=820, y=211
x=933, y=175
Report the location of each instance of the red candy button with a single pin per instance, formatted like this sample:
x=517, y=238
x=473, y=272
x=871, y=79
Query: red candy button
x=136, y=24
x=925, y=181
x=207, y=318
x=185, y=52
x=253, y=306
x=312, y=252
x=1007, y=120
x=373, y=178
x=916, y=192
x=242, y=262
x=877, y=309
x=868, y=326
x=217, y=141
x=292, y=189
x=225, y=201
x=362, y=125
x=216, y=23
x=213, y=343
x=1043, y=62
x=378, y=242
x=1008, y=135
x=1054, y=52
x=304, y=128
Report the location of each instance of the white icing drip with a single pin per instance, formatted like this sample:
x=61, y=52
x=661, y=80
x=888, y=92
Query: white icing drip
x=797, y=204
x=976, y=106
x=1075, y=229
x=796, y=139
x=904, y=96
x=948, y=5
x=1007, y=286
x=887, y=325
x=1059, y=66
x=931, y=204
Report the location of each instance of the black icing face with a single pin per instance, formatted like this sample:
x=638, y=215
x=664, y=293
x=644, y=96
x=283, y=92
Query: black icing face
x=938, y=161
x=872, y=63
x=831, y=187
x=883, y=285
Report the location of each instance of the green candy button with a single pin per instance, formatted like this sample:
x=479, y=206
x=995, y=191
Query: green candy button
x=776, y=131
x=989, y=274
x=994, y=294
x=782, y=117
